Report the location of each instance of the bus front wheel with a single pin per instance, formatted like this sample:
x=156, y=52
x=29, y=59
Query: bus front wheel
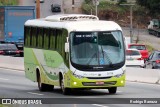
x=112, y=90
x=65, y=91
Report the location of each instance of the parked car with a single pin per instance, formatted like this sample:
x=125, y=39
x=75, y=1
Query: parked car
x=142, y=48
x=134, y=58
x=41, y=1
x=56, y=8
x=9, y=49
x=153, y=60
x=1, y=50
x=20, y=48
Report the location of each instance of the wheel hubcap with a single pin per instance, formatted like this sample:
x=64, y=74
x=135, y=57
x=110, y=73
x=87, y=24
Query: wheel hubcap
x=39, y=83
x=62, y=85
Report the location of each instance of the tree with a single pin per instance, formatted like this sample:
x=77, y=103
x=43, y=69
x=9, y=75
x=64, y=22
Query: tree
x=122, y=1
x=152, y=5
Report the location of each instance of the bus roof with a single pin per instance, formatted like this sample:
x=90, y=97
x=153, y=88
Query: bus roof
x=80, y=25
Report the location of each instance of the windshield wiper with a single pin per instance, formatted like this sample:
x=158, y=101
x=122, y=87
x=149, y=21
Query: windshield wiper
x=109, y=60
x=95, y=54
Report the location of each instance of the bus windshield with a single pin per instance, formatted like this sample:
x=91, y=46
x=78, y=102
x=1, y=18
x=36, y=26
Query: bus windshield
x=97, y=48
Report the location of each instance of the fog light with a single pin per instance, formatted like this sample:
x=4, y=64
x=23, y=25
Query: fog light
x=122, y=82
x=75, y=83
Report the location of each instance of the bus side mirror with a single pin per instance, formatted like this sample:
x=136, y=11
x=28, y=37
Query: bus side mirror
x=67, y=47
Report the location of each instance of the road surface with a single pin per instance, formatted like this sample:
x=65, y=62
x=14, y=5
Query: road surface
x=13, y=84
x=45, y=8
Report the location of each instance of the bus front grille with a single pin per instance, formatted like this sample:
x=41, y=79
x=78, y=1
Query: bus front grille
x=95, y=84
x=99, y=77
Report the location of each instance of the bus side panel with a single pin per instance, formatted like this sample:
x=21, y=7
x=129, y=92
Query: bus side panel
x=30, y=64
x=49, y=63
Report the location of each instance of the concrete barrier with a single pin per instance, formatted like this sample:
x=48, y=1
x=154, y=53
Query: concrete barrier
x=132, y=73
x=10, y=62
x=143, y=75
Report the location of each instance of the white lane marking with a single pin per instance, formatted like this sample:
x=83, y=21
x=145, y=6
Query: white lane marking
x=74, y=105
x=4, y=79
x=12, y=70
x=119, y=91
x=35, y=93
x=19, y=71
x=99, y=105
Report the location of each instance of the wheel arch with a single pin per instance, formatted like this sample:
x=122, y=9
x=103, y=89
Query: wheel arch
x=37, y=73
x=60, y=77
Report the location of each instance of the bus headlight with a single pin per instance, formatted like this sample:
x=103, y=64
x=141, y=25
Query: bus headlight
x=119, y=75
x=78, y=76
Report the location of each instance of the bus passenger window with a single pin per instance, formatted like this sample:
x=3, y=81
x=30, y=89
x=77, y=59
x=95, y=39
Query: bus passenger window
x=59, y=40
x=34, y=33
x=53, y=39
x=46, y=38
x=27, y=36
x=40, y=37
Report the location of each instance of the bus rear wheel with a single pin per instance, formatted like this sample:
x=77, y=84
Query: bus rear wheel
x=65, y=91
x=112, y=90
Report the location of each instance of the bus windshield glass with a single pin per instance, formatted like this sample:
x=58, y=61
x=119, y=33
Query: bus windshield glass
x=97, y=48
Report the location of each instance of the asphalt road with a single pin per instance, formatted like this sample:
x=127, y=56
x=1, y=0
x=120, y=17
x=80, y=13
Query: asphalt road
x=144, y=37
x=45, y=8
x=13, y=84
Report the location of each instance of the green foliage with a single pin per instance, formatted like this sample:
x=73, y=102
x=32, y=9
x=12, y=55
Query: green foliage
x=87, y=8
x=122, y=1
x=150, y=48
x=152, y=5
x=8, y=2
x=139, y=13
x=88, y=1
x=103, y=7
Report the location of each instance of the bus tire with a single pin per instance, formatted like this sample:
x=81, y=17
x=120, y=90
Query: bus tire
x=41, y=86
x=112, y=90
x=65, y=91
x=50, y=87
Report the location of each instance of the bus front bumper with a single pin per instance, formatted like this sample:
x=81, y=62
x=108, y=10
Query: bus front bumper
x=74, y=82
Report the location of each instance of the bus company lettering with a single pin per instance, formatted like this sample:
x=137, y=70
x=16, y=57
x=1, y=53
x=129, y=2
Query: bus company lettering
x=20, y=14
x=48, y=59
x=98, y=74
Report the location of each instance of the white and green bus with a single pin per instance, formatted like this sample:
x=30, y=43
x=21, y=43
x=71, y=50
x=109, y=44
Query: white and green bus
x=74, y=51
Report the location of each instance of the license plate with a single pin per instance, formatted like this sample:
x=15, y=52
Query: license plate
x=130, y=59
x=99, y=82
